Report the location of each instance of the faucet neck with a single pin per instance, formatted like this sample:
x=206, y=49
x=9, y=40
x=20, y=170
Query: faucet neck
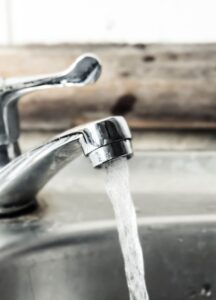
x=9, y=126
x=25, y=176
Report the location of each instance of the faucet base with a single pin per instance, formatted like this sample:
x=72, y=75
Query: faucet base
x=16, y=211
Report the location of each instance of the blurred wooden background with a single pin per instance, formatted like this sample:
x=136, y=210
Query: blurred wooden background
x=155, y=87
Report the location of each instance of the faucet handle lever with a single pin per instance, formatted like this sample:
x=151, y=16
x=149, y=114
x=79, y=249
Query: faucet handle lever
x=85, y=70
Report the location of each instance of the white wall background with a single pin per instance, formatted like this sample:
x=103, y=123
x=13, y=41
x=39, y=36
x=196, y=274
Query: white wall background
x=130, y=21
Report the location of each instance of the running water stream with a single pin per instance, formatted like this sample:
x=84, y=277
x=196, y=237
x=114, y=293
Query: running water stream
x=117, y=187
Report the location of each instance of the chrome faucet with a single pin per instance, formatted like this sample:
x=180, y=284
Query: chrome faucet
x=23, y=176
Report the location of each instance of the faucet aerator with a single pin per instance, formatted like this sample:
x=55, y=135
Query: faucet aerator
x=106, y=140
x=111, y=152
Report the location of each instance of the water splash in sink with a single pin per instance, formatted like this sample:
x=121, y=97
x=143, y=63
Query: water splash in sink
x=117, y=187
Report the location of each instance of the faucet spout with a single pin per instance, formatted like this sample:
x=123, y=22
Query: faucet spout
x=25, y=176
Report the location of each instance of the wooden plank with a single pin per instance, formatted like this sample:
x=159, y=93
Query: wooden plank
x=153, y=86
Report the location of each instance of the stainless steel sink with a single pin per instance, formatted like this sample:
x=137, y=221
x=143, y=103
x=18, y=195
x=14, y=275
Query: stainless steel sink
x=69, y=248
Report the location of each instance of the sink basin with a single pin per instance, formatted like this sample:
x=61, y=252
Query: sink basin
x=80, y=264
x=69, y=248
